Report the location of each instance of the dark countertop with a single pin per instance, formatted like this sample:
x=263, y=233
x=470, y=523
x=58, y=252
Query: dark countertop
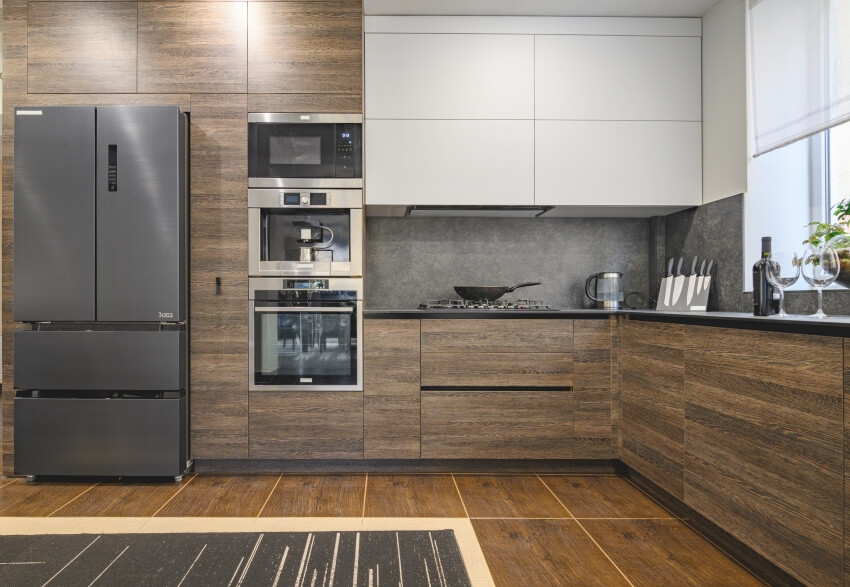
x=829, y=326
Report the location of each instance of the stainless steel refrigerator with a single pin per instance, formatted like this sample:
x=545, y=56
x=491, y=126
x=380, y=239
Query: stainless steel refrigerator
x=100, y=264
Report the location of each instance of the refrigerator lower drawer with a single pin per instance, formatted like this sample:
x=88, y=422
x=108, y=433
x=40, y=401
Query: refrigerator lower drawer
x=120, y=437
x=100, y=360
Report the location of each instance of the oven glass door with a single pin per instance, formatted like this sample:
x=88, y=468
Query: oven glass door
x=312, y=345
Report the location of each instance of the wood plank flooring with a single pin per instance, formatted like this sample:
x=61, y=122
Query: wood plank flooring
x=532, y=529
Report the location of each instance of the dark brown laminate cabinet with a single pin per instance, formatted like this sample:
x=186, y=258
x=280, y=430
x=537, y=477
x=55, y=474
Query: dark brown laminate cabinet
x=306, y=425
x=305, y=47
x=764, y=443
x=66, y=54
x=193, y=47
x=593, y=388
x=218, y=249
x=391, y=389
x=653, y=411
x=846, y=461
x=497, y=389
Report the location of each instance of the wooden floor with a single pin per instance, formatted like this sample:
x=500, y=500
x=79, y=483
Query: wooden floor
x=533, y=529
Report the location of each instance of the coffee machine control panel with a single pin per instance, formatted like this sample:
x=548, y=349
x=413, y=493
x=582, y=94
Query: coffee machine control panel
x=304, y=199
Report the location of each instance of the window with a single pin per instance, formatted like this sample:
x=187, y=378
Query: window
x=837, y=148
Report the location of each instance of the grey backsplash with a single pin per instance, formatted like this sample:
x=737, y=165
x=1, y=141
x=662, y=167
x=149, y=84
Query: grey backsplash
x=409, y=260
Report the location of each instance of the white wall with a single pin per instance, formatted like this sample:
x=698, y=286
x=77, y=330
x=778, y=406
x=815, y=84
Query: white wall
x=724, y=105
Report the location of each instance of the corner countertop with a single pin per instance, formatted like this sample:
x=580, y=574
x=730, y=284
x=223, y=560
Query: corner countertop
x=829, y=326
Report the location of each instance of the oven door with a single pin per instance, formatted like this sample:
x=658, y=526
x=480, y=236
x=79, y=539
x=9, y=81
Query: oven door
x=286, y=151
x=312, y=346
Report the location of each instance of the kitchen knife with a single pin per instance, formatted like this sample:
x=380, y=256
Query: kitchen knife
x=705, y=280
x=678, y=282
x=668, y=281
x=701, y=275
x=692, y=280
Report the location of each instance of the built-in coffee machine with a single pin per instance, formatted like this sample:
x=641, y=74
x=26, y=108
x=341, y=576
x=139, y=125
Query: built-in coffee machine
x=295, y=233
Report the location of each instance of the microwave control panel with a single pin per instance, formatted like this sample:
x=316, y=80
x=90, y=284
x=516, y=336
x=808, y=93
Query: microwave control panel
x=345, y=137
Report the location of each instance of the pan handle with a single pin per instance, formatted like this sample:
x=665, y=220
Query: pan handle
x=522, y=285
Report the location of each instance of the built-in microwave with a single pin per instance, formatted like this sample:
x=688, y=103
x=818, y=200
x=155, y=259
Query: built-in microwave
x=305, y=150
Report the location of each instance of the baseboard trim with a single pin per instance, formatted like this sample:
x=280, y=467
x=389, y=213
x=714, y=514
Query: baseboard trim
x=572, y=466
x=756, y=563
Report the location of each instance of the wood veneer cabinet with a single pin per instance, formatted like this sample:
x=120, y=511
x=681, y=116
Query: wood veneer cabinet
x=305, y=47
x=652, y=399
x=306, y=425
x=764, y=443
x=593, y=388
x=391, y=389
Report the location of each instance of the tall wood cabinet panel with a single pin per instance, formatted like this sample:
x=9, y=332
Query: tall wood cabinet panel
x=306, y=425
x=219, y=341
x=470, y=77
x=846, y=461
x=496, y=424
x=602, y=77
x=80, y=47
x=305, y=47
x=764, y=444
x=391, y=389
x=449, y=162
x=193, y=47
x=618, y=163
x=592, y=389
x=652, y=402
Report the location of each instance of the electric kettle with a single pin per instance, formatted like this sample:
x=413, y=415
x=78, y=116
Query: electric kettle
x=608, y=291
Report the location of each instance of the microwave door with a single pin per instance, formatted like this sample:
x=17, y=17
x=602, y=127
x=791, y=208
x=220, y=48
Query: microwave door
x=292, y=150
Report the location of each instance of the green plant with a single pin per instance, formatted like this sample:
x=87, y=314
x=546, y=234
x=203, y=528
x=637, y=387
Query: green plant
x=824, y=232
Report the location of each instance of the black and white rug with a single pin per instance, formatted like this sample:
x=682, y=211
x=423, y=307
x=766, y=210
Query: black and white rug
x=300, y=559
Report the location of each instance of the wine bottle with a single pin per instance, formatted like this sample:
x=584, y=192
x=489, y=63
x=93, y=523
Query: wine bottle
x=765, y=296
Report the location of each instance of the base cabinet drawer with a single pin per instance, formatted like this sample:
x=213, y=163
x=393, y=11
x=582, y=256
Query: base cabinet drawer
x=305, y=425
x=496, y=424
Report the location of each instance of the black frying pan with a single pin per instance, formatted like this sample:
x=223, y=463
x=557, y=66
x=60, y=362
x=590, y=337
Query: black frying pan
x=489, y=293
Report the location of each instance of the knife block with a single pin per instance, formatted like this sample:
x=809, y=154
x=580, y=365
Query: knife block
x=699, y=299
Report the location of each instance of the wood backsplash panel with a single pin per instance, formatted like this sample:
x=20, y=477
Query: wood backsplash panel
x=193, y=47
x=79, y=47
x=653, y=411
x=305, y=47
x=391, y=389
x=764, y=444
x=219, y=249
x=592, y=387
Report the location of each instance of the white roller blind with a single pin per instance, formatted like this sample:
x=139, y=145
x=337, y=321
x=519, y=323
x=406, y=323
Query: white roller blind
x=800, y=60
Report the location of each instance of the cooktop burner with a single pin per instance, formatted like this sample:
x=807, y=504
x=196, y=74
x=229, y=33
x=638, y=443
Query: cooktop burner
x=483, y=305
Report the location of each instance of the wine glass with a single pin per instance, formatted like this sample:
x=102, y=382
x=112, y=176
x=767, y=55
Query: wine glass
x=783, y=271
x=820, y=268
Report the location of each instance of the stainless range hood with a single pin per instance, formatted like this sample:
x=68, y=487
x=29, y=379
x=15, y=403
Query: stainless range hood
x=479, y=211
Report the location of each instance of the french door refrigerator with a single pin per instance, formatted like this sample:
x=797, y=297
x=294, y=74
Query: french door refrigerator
x=100, y=263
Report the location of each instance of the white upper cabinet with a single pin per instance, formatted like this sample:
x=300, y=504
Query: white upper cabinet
x=449, y=162
x=449, y=76
x=618, y=163
x=598, y=77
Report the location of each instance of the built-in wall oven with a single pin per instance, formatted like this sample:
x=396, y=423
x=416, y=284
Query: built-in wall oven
x=305, y=150
x=305, y=334
x=305, y=232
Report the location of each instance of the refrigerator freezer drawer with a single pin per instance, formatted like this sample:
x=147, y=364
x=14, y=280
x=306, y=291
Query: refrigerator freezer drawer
x=100, y=360
x=123, y=437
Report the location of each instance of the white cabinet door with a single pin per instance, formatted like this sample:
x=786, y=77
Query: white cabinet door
x=618, y=163
x=617, y=78
x=453, y=76
x=446, y=162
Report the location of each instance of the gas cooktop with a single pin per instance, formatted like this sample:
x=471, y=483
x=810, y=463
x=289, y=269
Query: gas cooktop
x=483, y=305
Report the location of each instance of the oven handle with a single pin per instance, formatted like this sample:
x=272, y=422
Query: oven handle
x=346, y=310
